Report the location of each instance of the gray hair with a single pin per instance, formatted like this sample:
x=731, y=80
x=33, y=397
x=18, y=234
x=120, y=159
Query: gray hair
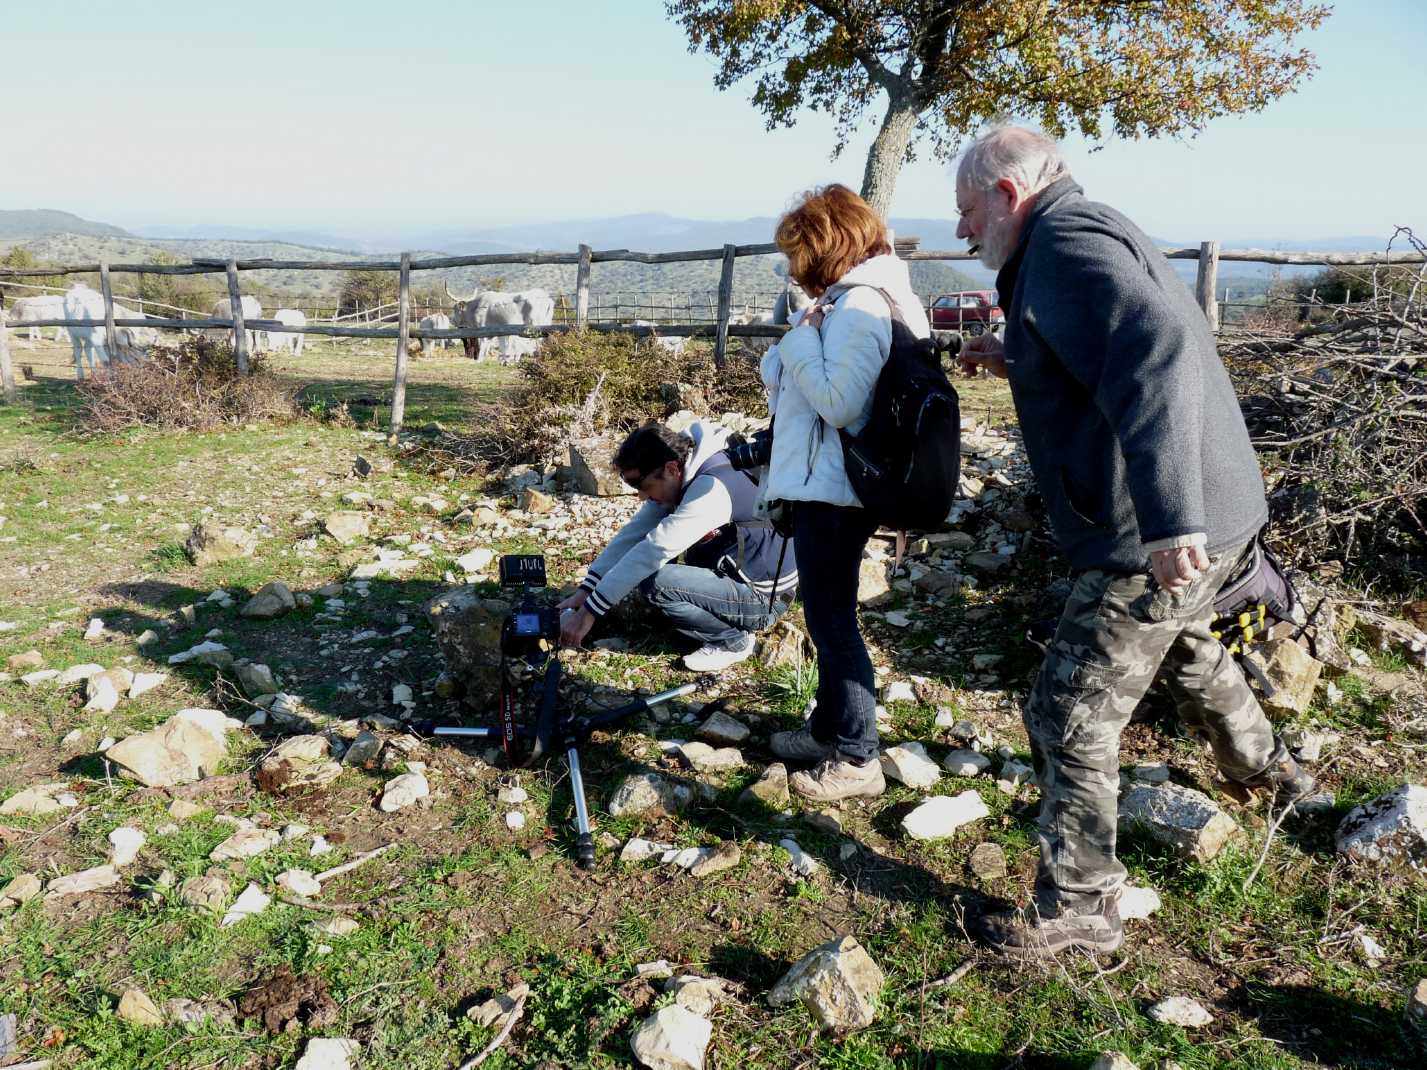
x=1012, y=152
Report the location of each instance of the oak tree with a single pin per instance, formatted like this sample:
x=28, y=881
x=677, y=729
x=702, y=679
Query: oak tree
x=1130, y=67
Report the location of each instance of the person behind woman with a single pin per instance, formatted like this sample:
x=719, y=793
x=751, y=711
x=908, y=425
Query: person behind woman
x=821, y=377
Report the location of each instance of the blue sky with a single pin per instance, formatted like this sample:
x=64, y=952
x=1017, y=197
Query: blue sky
x=339, y=116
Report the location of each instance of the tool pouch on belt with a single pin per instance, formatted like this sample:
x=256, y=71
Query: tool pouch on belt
x=1258, y=596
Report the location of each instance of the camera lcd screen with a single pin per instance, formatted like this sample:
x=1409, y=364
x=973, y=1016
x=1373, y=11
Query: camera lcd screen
x=527, y=624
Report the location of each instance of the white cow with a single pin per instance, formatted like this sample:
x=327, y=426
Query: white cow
x=533, y=307
x=223, y=310
x=437, y=321
x=91, y=343
x=289, y=317
x=672, y=345
x=509, y=313
x=39, y=307
x=131, y=343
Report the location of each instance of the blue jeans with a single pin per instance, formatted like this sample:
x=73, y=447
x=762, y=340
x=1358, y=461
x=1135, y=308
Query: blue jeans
x=828, y=541
x=707, y=607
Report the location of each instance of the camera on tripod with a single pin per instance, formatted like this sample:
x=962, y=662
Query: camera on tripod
x=751, y=453
x=530, y=624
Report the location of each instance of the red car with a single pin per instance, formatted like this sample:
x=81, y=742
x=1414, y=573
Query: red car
x=968, y=311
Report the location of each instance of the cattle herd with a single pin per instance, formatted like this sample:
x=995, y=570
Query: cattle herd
x=480, y=308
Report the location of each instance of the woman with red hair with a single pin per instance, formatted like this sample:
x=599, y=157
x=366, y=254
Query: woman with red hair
x=821, y=377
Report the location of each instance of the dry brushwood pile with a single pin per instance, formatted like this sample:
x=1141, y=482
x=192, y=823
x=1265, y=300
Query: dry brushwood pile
x=195, y=387
x=1338, y=412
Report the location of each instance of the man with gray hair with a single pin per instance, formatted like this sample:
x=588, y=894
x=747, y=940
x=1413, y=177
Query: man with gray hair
x=1154, y=493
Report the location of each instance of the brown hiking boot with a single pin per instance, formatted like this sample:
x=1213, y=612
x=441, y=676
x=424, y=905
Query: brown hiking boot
x=1025, y=934
x=836, y=779
x=800, y=746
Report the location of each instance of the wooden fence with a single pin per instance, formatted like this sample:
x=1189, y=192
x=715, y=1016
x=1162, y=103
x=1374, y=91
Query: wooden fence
x=1209, y=256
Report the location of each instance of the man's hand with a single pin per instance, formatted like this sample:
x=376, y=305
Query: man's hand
x=983, y=350
x=1175, y=569
x=575, y=601
x=575, y=624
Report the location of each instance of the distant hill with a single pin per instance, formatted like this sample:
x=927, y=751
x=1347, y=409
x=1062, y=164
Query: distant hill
x=40, y=222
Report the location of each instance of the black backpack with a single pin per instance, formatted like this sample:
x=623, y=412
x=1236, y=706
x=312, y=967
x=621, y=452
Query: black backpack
x=905, y=464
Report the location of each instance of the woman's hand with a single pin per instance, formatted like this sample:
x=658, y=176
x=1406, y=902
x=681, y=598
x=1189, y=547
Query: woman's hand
x=814, y=317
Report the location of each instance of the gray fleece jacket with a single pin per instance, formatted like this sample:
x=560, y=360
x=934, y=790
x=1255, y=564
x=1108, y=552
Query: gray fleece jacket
x=1129, y=418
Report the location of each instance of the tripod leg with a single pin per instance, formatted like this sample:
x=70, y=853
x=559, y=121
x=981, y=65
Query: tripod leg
x=584, y=842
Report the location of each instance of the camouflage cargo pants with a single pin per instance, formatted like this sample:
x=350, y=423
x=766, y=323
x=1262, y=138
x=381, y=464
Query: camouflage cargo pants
x=1113, y=636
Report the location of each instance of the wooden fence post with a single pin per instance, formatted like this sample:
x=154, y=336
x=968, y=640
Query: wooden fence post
x=107, y=287
x=7, y=373
x=403, y=329
x=582, y=288
x=235, y=306
x=725, y=306
x=1206, y=283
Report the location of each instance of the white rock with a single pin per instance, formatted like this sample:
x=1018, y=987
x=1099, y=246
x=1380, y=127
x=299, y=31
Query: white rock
x=909, y=764
x=204, y=653
x=404, y=790
x=515, y=821
x=125, y=842
x=1372, y=952
x=35, y=801
x=697, y=994
x=673, y=1038
x=319, y=847
x=144, y=682
x=966, y=763
x=328, y=1053
x=1389, y=830
x=78, y=674
x=1113, y=1060
x=477, y=560
x=803, y=864
x=401, y=694
x=86, y=880
x=299, y=882
x=657, y=970
x=721, y=729
x=1180, y=818
x=838, y=982
x=94, y=630
x=38, y=677
x=104, y=698
x=638, y=849
x=1181, y=1011
x=1151, y=774
x=253, y=901
x=246, y=843
x=898, y=619
x=941, y=815
x=899, y=691
x=1136, y=903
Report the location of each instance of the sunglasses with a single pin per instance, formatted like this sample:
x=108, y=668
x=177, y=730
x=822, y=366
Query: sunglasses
x=636, y=481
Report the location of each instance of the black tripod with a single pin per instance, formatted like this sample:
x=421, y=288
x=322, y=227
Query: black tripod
x=554, y=731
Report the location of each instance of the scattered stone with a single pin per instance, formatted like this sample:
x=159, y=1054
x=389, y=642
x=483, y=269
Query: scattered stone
x=838, y=982
x=246, y=843
x=673, y=1038
x=95, y=630
x=21, y=889
x=125, y=843
x=725, y=856
x=639, y=849
x=135, y=1006
x=515, y=821
x=986, y=563
x=592, y=472
x=346, y=526
x=401, y=694
x=722, y=730
x=1372, y=952
x=86, y=880
x=362, y=752
x=36, y=801
x=803, y=864
x=534, y=501
x=966, y=763
x=179, y=751
x=272, y=600
x=183, y=809
x=658, y=970
x=254, y=679
x=1180, y=818
x=498, y=1006
x=206, y=893
x=828, y=821
x=698, y=994
x=146, y=637
x=988, y=861
x=873, y=586
x=1389, y=831
x=328, y=1053
x=253, y=901
x=475, y=561
x=1113, y=1060
x=77, y=674
x=402, y=791
x=299, y=882
x=211, y=543
x=705, y=759
x=205, y=653
x=908, y=763
x=770, y=789
x=512, y=795
x=338, y=926
x=467, y=627
x=298, y=762
x=1293, y=673
x=1151, y=774
x=144, y=682
x=1181, y=1011
x=1417, y=1011
x=30, y=659
x=1136, y=903
x=649, y=793
x=786, y=644
x=38, y=677
x=941, y=815
x=1016, y=772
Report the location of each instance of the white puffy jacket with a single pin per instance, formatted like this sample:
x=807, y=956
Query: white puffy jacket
x=820, y=381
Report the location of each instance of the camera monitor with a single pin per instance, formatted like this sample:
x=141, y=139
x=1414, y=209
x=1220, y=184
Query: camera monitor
x=522, y=570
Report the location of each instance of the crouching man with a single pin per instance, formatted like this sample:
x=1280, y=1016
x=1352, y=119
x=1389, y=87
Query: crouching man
x=1140, y=450
x=737, y=575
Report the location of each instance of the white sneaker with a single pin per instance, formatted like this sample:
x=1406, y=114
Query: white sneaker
x=712, y=658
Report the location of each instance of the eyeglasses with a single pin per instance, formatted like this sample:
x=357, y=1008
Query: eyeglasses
x=636, y=481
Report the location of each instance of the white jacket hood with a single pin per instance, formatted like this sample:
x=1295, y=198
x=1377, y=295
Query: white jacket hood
x=708, y=438
x=888, y=273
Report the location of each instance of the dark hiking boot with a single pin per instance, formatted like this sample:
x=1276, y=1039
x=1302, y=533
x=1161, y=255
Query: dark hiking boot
x=1286, y=779
x=1026, y=934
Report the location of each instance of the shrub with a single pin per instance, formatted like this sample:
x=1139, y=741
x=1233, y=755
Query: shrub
x=195, y=387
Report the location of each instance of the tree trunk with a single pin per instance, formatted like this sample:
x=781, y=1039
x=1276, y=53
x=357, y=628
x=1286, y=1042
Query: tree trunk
x=888, y=151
